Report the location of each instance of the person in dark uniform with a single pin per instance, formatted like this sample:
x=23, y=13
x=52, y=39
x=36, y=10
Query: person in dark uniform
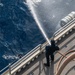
x=50, y=49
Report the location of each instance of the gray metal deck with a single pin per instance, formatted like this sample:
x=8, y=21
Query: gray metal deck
x=36, y=67
x=32, y=62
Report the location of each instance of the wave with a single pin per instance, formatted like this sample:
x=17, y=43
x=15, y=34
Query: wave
x=1, y=4
x=8, y=57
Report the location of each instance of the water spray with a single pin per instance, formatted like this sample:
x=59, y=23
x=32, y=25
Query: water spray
x=36, y=19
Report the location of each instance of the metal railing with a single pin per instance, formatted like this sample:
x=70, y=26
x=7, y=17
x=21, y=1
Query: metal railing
x=4, y=69
x=34, y=52
x=64, y=27
x=24, y=58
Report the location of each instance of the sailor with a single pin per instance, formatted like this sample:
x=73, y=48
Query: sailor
x=50, y=49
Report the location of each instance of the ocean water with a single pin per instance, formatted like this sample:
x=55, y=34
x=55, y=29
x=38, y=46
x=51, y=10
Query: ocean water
x=19, y=32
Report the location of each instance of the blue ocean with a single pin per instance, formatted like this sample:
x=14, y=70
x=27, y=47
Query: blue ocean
x=19, y=32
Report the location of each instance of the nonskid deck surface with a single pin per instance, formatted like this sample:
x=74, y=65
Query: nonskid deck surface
x=37, y=68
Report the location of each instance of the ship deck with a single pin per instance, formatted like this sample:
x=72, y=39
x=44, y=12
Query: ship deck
x=36, y=67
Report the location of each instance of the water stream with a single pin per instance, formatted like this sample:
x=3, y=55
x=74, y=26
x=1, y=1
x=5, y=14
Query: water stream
x=30, y=4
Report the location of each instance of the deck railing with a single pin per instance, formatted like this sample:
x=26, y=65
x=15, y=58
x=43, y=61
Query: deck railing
x=26, y=57
x=30, y=56
x=64, y=27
